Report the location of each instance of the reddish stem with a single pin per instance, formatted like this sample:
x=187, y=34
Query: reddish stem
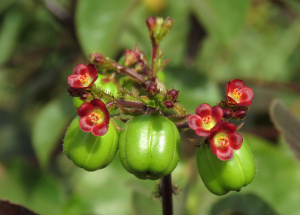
x=166, y=191
x=154, y=53
x=130, y=72
x=130, y=104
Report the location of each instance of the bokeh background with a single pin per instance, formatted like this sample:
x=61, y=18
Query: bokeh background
x=211, y=42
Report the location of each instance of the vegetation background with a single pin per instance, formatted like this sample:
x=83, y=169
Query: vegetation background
x=211, y=42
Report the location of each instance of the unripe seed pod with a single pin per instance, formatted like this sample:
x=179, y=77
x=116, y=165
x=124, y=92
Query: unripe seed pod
x=219, y=176
x=149, y=146
x=88, y=151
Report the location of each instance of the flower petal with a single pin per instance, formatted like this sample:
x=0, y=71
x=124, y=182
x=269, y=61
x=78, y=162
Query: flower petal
x=217, y=113
x=194, y=122
x=236, y=83
x=80, y=69
x=92, y=70
x=225, y=156
x=247, y=96
x=73, y=81
x=100, y=129
x=213, y=147
x=202, y=132
x=86, y=124
x=85, y=109
x=235, y=141
x=203, y=110
x=227, y=128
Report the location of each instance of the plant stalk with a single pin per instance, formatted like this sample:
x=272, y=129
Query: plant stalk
x=166, y=191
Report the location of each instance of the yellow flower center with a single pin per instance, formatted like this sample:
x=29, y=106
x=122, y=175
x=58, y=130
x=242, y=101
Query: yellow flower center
x=224, y=141
x=207, y=119
x=95, y=117
x=83, y=78
x=207, y=123
x=236, y=94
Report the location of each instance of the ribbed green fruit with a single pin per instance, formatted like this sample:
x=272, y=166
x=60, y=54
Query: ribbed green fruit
x=150, y=146
x=220, y=177
x=88, y=151
x=110, y=87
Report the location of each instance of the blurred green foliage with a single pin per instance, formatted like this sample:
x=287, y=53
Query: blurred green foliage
x=211, y=42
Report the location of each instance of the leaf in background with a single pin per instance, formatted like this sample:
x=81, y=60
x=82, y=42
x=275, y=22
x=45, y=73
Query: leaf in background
x=194, y=88
x=174, y=45
x=27, y=186
x=249, y=204
x=104, y=191
x=100, y=23
x=9, y=32
x=4, y=4
x=277, y=177
x=287, y=123
x=222, y=19
x=49, y=127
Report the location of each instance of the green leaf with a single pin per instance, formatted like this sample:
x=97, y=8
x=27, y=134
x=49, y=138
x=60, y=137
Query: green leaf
x=9, y=32
x=277, y=177
x=287, y=123
x=104, y=191
x=222, y=19
x=194, y=88
x=143, y=204
x=249, y=204
x=49, y=127
x=26, y=186
x=4, y=4
x=100, y=23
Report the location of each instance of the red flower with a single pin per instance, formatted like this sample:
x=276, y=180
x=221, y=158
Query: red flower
x=238, y=94
x=224, y=140
x=83, y=76
x=206, y=120
x=94, y=117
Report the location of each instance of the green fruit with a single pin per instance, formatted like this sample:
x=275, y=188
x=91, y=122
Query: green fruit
x=88, y=151
x=220, y=177
x=100, y=82
x=149, y=146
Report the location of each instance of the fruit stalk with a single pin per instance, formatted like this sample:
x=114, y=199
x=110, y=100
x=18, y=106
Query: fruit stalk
x=166, y=191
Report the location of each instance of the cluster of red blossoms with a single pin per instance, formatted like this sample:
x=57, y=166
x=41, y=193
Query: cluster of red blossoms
x=211, y=122
x=94, y=115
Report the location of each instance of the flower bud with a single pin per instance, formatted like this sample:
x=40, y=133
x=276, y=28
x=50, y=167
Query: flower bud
x=131, y=57
x=152, y=90
x=86, y=96
x=227, y=113
x=74, y=92
x=151, y=22
x=239, y=113
x=168, y=104
x=172, y=95
x=168, y=23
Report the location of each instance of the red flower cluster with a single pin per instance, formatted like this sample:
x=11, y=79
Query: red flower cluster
x=83, y=76
x=238, y=94
x=208, y=121
x=94, y=117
